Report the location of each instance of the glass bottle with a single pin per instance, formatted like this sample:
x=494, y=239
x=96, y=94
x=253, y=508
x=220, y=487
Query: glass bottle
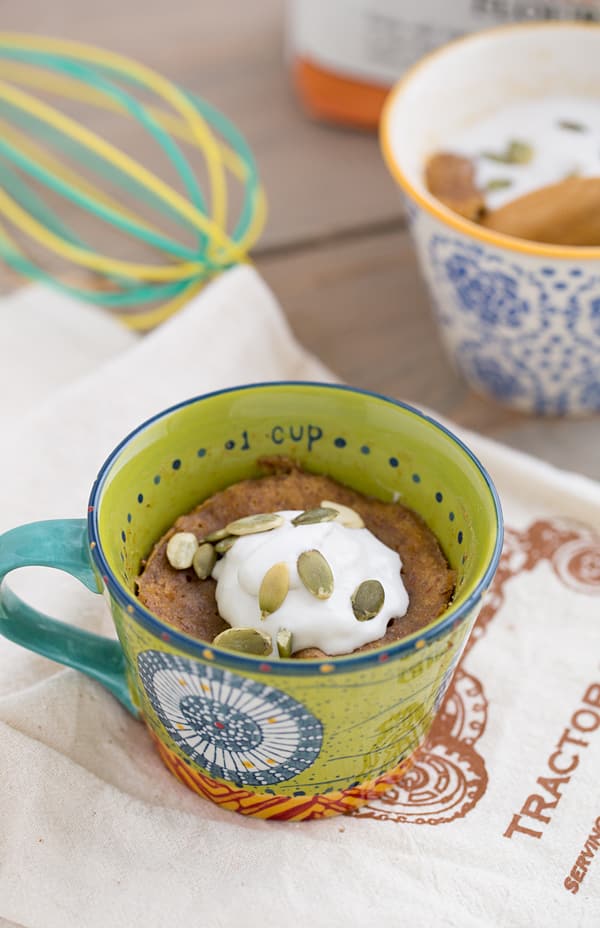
x=346, y=54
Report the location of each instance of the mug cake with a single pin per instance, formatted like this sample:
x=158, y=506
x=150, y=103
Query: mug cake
x=294, y=564
x=262, y=734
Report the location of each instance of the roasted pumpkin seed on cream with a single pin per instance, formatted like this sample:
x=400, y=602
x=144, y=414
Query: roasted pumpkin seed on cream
x=310, y=579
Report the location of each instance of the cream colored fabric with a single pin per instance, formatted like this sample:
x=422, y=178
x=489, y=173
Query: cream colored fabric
x=95, y=832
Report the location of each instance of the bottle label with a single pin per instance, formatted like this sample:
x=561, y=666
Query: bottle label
x=376, y=40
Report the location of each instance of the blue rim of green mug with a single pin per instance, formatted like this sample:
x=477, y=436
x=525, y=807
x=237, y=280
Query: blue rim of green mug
x=452, y=617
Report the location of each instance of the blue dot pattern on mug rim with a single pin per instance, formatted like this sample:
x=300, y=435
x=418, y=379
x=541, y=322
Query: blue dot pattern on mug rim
x=233, y=727
x=530, y=338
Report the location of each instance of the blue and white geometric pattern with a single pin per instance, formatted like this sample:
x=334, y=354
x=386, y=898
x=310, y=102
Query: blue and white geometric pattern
x=233, y=727
x=522, y=330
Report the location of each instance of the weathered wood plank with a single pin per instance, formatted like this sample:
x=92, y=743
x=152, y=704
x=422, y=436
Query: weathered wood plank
x=362, y=307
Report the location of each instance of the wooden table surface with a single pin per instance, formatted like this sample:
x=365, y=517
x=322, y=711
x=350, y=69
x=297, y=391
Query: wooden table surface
x=335, y=249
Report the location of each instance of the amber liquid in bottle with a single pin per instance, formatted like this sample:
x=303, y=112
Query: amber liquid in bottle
x=335, y=98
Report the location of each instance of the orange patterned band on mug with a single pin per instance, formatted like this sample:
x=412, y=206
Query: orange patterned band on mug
x=284, y=808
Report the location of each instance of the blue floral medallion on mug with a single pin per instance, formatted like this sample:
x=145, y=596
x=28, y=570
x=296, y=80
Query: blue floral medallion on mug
x=233, y=727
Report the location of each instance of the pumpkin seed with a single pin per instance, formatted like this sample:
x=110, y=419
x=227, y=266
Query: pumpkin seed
x=245, y=640
x=498, y=183
x=314, y=516
x=181, y=549
x=516, y=152
x=367, y=600
x=572, y=125
x=273, y=589
x=219, y=534
x=223, y=546
x=205, y=559
x=519, y=152
x=315, y=573
x=251, y=525
x=345, y=515
x=284, y=642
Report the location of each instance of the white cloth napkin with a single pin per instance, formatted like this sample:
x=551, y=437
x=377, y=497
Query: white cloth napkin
x=95, y=832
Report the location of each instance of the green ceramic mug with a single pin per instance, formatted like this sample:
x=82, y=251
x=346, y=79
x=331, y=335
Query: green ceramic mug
x=287, y=739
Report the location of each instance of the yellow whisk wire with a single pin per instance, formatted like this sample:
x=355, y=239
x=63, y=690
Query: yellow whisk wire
x=155, y=82
x=184, y=121
x=64, y=86
x=87, y=138
x=23, y=143
x=89, y=259
x=141, y=322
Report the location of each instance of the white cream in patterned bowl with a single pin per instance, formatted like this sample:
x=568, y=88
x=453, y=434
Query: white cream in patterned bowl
x=520, y=319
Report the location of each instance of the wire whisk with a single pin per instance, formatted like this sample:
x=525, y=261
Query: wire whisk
x=44, y=152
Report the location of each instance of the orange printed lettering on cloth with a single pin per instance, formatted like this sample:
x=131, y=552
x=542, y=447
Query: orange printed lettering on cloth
x=564, y=759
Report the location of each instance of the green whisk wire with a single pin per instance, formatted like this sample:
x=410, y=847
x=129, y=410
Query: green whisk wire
x=101, y=77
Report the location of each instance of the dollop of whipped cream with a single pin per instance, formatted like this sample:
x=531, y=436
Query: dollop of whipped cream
x=354, y=555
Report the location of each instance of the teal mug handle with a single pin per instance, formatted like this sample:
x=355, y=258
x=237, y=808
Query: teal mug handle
x=63, y=544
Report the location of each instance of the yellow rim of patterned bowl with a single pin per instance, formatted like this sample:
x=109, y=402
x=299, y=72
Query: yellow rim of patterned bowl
x=433, y=206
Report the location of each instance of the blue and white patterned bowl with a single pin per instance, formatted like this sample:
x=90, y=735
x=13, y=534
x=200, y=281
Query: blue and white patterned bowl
x=520, y=320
